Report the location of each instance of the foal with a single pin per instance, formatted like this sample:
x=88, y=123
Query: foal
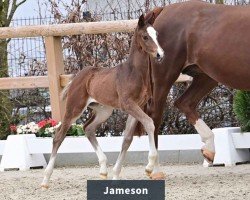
x=127, y=87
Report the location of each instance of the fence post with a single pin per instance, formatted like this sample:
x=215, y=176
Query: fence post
x=54, y=55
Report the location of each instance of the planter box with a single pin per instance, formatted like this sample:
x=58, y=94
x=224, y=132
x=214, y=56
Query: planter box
x=231, y=146
x=113, y=144
x=32, y=146
x=25, y=151
x=16, y=154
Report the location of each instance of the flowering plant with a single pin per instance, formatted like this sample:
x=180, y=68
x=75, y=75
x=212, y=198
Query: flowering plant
x=46, y=128
x=31, y=127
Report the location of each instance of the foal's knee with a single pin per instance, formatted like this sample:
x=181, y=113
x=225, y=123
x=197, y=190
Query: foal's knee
x=128, y=139
x=89, y=130
x=149, y=126
x=58, y=138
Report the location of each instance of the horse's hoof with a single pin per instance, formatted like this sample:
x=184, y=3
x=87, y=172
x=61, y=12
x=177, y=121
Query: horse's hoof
x=44, y=187
x=103, y=176
x=158, y=176
x=208, y=155
x=148, y=172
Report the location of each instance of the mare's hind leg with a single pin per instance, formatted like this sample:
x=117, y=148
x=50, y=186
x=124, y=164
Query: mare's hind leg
x=128, y=137
x=187, y=103
x=101, y=114
x=72, y=113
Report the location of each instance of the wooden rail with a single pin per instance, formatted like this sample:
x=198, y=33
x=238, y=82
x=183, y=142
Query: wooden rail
x=24, y=82
x=68, y=29
x=56, y=79
x=43, y=81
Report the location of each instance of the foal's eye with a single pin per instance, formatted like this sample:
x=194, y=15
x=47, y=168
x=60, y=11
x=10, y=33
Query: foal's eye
x=145, y=37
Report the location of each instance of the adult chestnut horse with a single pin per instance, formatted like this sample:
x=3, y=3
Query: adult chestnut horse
x=126, y=86
x=209, y=42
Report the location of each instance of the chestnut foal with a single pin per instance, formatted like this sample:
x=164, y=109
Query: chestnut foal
x=127, y=87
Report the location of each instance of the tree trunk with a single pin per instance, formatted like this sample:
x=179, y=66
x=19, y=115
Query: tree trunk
x=5, y=102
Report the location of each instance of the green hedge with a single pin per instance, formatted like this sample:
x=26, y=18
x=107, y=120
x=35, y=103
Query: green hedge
x=241, y=107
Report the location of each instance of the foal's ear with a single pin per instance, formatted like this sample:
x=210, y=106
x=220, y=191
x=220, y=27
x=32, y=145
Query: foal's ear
x=150, y=18
x=141, y=21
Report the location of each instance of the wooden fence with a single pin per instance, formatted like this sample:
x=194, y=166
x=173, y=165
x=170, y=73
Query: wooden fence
x=56, y=78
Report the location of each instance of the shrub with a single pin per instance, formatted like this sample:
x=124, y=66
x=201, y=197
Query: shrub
x=241, y=107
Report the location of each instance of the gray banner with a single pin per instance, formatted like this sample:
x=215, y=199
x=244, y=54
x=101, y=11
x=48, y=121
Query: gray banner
x=125, y=189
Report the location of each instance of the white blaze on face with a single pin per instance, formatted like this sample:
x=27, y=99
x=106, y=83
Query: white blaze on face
x=152, y=33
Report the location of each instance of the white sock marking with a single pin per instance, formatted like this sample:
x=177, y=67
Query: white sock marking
x=49, y=170
x=206, y=134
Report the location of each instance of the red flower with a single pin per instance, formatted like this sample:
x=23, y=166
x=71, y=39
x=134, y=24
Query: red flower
x=47, y=122
x=42, y=123
x=52, y=122
x=13, y=128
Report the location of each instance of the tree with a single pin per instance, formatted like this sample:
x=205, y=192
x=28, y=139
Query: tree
x=7, y=10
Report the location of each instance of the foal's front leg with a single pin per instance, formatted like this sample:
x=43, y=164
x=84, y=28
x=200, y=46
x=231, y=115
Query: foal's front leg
x=127, y=139
x=133, y=109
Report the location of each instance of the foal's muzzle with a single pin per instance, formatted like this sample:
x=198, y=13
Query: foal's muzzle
x=159, y=57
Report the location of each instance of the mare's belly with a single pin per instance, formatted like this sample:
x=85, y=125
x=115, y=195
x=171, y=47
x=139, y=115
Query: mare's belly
x=234, y=76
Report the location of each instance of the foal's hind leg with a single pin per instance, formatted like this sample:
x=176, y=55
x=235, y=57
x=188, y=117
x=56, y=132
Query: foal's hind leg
x=128, y=137
x=188, y=102
x=101, y=114
x=71, y=115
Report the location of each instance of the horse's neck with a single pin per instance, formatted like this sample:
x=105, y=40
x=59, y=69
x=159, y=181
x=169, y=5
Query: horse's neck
x=138, y=59
x=139, y=63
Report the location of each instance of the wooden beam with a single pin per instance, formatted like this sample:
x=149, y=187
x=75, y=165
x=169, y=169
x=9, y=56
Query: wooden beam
x=66, y=78
x=24, y=82
x=68, y=29
x=54, y=55
x=31, y=82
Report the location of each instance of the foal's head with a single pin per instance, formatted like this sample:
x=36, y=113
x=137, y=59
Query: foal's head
x=146, y=37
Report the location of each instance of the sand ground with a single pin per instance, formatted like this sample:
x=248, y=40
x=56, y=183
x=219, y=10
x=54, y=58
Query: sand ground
x=182, y=182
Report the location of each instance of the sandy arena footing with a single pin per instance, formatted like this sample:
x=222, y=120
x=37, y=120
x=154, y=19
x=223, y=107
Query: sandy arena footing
x=182, y=182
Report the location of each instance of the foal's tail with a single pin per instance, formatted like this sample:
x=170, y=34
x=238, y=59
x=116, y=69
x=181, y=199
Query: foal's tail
x=66, y=89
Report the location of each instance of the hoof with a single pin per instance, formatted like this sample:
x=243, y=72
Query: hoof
x=148, y=172
x=44, y=187
x=103, y=176
x=208, y=155
x=158, y=176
